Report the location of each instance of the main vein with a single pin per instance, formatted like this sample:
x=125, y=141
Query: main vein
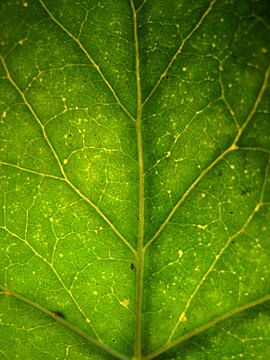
x=140, y=251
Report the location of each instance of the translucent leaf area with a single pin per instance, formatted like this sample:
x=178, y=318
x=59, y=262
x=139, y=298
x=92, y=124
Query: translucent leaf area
x=135, y=179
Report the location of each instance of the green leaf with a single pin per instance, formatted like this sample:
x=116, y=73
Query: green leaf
x=135, y=177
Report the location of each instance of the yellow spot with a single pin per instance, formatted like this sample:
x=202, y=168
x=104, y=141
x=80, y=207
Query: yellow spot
x=264, y=50
x=65, y=161
x=233, y=147
x=202, y=226
x=88, y=320
x=184, y=68
x=180, y=253
x=183, y=317
x=25, y=4
x=257, y=207
x=4, y=115
x=125, y=303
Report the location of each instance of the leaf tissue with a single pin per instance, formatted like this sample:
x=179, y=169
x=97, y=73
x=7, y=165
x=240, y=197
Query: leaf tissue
x=135, y=179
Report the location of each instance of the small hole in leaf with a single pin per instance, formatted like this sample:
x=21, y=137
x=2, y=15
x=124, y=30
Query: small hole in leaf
x=231, y=212
x=132, y=266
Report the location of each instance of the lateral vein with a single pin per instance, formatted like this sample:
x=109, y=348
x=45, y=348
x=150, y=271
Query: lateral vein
x=179, y=50
x=207, y=326
x=231, y=148
x=72, y=186
x=89, y=57
x=63, y=322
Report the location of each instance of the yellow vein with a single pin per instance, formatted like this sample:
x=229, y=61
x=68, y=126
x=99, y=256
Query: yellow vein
x=141, y=6
x=232, y=147
x=86, y=53
x=179, y=50
x=63, y=322
x=207, y=326
x=210, y=269
x=265, y=180
x=250, y=148
x=77, y=191
x=140, y=252
x=255, y=105
x=188, y=191
x=18, y=167
x=37, y=254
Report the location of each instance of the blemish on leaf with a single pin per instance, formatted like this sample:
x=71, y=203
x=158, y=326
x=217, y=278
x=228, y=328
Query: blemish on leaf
x=125, y=303
x=132, y=266
x=22, y=41
x=233, y=147
x=180, y=253
x=183, y=317
x=58, y=314
x=4, y=115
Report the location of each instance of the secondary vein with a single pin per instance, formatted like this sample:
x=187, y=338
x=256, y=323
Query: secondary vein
x=54, y=153
x=64, y=323
x=232, y=147
x=207, y=326
x=89, y=57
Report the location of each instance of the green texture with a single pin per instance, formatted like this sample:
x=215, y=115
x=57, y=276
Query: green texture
x=135, y=179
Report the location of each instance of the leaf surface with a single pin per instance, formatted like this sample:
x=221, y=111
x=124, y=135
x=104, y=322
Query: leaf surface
x=135, y=176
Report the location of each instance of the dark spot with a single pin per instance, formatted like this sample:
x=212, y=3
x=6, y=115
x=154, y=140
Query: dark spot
x=70, y=135
x=233, y=241
x=231, y=212
x=58, y=314
x=113, y=340
x=132, y=266
x=167, y=77
x=244, y=192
